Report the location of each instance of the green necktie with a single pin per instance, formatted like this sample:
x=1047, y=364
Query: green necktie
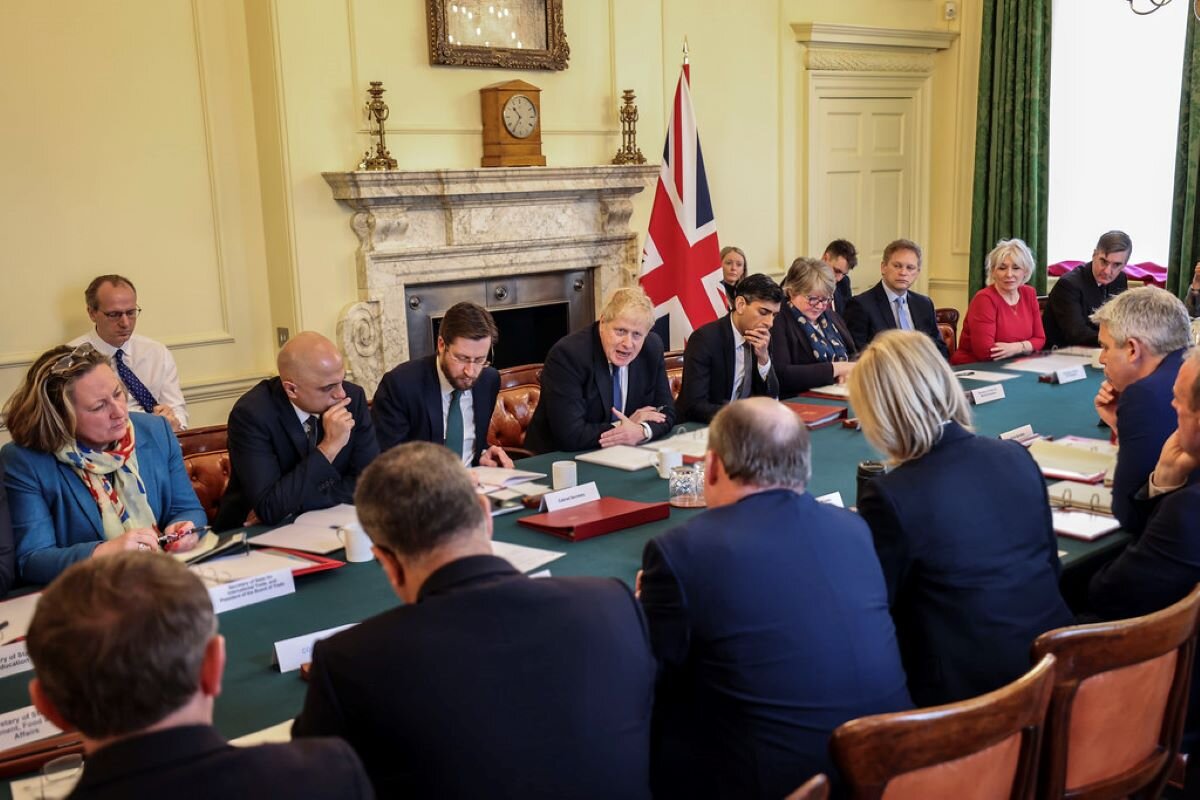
x=454, y=424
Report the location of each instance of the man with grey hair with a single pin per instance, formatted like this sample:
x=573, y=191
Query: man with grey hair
x=1084, y=289
x=1143, y=336
x=769, y=615
x=485, y=683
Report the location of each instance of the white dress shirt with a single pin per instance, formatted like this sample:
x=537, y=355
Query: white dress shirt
x=892, y=297
x=152, y=362
x=739, y=366
x=466, y=404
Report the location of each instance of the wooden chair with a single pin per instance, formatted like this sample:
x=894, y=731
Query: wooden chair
x=1043, y=299
x=947, y=323
x=983, y=748
x=815, y=788
x=203, y=440
x=209, y=473
x=520, y=390
x=1120, y=698
x=674, y=364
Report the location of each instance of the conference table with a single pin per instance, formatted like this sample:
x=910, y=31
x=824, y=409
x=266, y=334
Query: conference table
x=256, y=695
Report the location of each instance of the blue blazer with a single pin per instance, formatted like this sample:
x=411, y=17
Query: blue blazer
x=577, y=390
x=493, y=685
x=1145, y=419
x=971, y=560
x=708, y=371
x=55, y=519
x=408, y=405
x=870, y=312
x=770, y=619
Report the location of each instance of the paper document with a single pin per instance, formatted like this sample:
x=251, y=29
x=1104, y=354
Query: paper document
x=1090, y=353
x=1103, y=446
x=17, y=612
x=320, y=539
x=838, y=390
x=333, y=517
x=1044, y=365
x=1066, y=462
x=983, y=375
x=276, y=734
x=247, y=565
x=1086, y=496
x=621, y=456
x=524, y=558
x=689, y=443
x=499, y=476
x=1082, y=524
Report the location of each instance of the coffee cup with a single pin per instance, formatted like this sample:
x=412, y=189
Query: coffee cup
x=667, y=460
x=563, y=474
x=356, y=542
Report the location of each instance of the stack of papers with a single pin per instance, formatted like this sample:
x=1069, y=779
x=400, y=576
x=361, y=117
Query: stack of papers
x=1082, y=524
x=312, y=532
x=621, y=456
x=1066, y=461
x=1044, y=365
x=525, y=559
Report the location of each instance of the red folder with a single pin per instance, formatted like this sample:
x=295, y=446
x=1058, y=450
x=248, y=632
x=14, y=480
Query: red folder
x=817, y=416
x=596, y=518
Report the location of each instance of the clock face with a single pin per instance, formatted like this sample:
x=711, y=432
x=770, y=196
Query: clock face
x=520, y=116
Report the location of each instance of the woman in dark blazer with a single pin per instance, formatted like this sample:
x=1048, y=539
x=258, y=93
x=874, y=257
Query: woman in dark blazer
x=961, y=525
x=810, y=344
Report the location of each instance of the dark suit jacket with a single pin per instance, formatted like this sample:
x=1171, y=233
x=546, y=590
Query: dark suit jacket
x=8, y=568
x=1145, y=419
x=708, y=371
x=842, y=294
x=770, y=619
x=966, y=543
x=1072, y=300
x=408, y=405
x=870, y=312
x=272, y=469
x=196, y=762
x=792, y=354
x=577, y=392
x=493, y=685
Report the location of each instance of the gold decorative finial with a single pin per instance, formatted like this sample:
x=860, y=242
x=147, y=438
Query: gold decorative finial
x=629, y=152
x=685, y=50
x=378, y=111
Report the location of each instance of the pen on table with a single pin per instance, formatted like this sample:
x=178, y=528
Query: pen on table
x=622, y=418
x=170, y=538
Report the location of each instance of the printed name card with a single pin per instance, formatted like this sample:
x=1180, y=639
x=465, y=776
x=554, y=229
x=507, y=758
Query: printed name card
x=1018, y=433
x=987, y=394
x=833, y=499
x=23, y=726
x=291, y=653
x=14, y=659
x=1070, y=374
x=574, y=496
x=255, y=589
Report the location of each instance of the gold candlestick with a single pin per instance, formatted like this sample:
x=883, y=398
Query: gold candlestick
x=378, y=111
x=629, y=152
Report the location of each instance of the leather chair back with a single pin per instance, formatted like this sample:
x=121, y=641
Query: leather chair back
x=209, y=473
x=203, y=440
x=520, y=391
x=673, y=359
x=947, y=323
x=1116, y=719
x=985, y=748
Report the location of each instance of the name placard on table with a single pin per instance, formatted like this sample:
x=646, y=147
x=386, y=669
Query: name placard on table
x=987, y=394
x=255, y=589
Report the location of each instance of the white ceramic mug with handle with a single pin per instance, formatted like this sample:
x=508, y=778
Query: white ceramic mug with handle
x=356, y=542
x=667, y=461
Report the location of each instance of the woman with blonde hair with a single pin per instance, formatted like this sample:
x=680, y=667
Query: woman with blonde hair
x=1003, y=319
x=733, y=269
x=961, y=525
x=84, y=477
x=810, y=344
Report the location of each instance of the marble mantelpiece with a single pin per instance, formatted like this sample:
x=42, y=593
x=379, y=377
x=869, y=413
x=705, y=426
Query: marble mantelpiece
x=473, y=225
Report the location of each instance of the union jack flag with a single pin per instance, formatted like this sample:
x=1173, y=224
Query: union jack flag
x=680, y=262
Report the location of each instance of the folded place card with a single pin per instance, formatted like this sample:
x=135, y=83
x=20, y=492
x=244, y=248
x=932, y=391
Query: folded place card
x=833, y=499
x=23, y=726
x=248, y=591
x=291, y=653
x=986, y=394
x=571, y=496
x=1070, y=374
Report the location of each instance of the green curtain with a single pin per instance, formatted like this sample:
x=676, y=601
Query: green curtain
x=1012, y=140
x=1185, y=209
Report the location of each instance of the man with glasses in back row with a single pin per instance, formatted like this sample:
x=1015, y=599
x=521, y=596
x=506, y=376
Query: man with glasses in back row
x=446, y=398
x=891, y=303
x=143, y=365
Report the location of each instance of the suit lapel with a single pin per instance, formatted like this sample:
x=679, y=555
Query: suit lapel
x=602, y=374
x=727, y=356
x=288, y=419
x=885, y=307
x=431, y=398
x=483, y=411
x=81, y=495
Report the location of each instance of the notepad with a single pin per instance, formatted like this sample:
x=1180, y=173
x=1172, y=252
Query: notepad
x=320, y=539
x=1082, y=524
x=1089, y=497
x=622, y=457
x=690, y=443
x=983, y=375
x=1072, y=463
x=1044, y=365
x=499, y=476
x=525, y=559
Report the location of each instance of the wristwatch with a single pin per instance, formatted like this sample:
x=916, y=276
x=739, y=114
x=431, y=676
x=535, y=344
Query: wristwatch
x=646, y=430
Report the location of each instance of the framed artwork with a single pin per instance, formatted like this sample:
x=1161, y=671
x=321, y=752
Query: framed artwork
x=514, y=34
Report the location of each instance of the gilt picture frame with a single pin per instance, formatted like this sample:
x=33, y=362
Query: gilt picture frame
x=511, y=34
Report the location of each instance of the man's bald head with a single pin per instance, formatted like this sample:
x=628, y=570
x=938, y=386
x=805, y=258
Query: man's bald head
x=311, y=370
x=761, y=443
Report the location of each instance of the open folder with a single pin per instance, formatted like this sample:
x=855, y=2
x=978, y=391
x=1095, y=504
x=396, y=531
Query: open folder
x=596, y=518
x=817, y=416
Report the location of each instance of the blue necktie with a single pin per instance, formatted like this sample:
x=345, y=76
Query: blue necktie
x=454, y=424
x=133, y=384
x=617, y=404
x=901, y=316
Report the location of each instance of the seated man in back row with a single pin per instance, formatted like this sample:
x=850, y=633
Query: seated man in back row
x=891, y=303
x=1076, y=296
x=605, y=385
x=729, y=358
x=447, y=398
x=299, y=441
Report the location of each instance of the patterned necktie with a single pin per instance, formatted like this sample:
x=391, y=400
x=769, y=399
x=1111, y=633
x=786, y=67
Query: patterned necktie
x=454, y=424
x=617, y=404
x=901, y=315
x=312, y=431
x=747, y=365
x=133, y=384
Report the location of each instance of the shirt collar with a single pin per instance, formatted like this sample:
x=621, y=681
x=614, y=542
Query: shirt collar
x=106, y=349
x=738, y=339
x=443, y=382
x=301, y=414
x=892, y=296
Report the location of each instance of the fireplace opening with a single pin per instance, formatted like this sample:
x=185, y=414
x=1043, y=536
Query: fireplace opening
x=526, y=334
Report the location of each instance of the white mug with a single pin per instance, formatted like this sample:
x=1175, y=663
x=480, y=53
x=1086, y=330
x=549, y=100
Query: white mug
x=564, y=474
x=356, y=542
x=667, y=460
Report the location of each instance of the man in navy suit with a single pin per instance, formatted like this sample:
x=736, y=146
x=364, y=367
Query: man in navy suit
x=841, y=256
x=890, y=303
x=769, y=614
x=297, y=442
x=125, y=650
x=485, y=683
x=429, y=399
x=1144, y=334
x=605, y=385
x=1076, y=295
x=729, y=358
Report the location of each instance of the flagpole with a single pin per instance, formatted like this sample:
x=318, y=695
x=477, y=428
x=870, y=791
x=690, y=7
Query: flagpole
x=685, y=50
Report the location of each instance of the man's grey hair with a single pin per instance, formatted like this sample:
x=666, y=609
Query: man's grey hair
x=1153, y=316
x=761, y=443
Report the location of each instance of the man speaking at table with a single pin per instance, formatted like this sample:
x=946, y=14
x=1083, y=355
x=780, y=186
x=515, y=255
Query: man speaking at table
x=769, y=615
x=729, y=359
x=605, y=385
x=1077, y=295
x=297, y=442
x=485, y=683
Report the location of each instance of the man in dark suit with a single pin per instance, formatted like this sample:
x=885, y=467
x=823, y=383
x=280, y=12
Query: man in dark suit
x=769, y=615
x=605, y=385
x=429, y=399
x=890, y=303
x=485, y=683
x=841, y=256
x=1144, y=334
x=297, y=442
x=730, y=358
x=1076, y=295
x=125, y=649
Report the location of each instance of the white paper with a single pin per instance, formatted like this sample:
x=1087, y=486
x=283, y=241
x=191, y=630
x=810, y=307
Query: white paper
x=1023, y=432
x=1062, y=553
x=832, y=390
x=14, y=659
x=571, y=497
x=1069, y=462
x=248, y=591
x=1070, y=374
x=1045, y=365
x=1102, y=446
x=984, y=375
x=18, y=612
x=530, y=489
x=524, y=558
x=499, y=476
x=320, y=539
x=621, y=456
x=987, y=394
x=545, y=573
x=23, y=726
x=691, y=443
x=276, y=734
x=1078, y=350
x=31, y=788
x=333, y=517
x=245, y=565
x=291, y=653
x=833, y=499
x=1082, y=524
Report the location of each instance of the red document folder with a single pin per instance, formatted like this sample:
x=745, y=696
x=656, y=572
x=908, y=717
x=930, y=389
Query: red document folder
x=817, y=416
x=596, y=518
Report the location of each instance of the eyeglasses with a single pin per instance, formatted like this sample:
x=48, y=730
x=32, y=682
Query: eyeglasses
x=80, y=355
x=816, y=300
x=116, y=315
x=463, y=361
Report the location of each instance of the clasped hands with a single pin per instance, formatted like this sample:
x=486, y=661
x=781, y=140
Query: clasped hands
x=147, y=539
x=628, y=429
